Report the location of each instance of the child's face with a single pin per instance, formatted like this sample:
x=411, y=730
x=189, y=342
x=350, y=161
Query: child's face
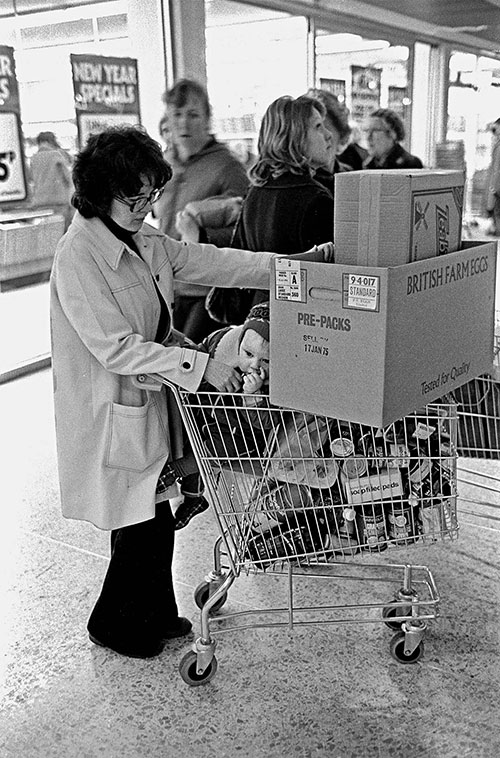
x=253, y=354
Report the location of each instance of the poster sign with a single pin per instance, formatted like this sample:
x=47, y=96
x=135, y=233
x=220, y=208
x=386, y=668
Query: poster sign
x=13, y=185
x=365, y=92
x=335, y=86
x=106, y=93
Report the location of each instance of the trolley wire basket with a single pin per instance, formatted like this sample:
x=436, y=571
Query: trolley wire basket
x=305, y=495
x=478, y=445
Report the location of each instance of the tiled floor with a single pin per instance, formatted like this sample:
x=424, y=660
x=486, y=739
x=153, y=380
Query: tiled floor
x=317, y=692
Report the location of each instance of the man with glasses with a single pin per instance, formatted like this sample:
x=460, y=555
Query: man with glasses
x=384, y=134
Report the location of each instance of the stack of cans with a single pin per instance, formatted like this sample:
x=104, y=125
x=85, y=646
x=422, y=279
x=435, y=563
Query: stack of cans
x=396, y=486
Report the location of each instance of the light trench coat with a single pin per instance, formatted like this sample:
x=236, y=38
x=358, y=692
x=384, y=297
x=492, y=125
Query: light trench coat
x=113, y=437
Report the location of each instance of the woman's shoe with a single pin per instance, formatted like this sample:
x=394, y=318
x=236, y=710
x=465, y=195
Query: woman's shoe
x=181, y=627
x=191, y=506
x=145, y=650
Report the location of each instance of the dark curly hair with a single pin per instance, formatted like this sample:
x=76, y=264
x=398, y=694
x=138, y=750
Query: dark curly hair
x=116, y=162
x=392, y=120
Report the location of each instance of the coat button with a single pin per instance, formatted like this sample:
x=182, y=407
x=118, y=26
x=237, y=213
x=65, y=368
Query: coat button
x=186, y=364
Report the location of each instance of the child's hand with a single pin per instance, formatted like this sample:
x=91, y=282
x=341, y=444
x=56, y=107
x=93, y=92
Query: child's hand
x=253, y=381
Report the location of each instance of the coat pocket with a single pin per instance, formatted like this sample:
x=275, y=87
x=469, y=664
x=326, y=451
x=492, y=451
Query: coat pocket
x=136, y=437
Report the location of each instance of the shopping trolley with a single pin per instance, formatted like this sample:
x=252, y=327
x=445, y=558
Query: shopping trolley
x=299, y=494
x=478, y=445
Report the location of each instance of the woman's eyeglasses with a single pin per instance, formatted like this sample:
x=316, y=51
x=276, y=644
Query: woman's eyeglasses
x=139, y=203
x=369, y=132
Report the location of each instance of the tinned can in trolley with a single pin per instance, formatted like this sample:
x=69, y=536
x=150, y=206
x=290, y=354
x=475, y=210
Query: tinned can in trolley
x=373, y=527
x=348, y=531
x=354, y=466
x=400, y=523
x=342, y=447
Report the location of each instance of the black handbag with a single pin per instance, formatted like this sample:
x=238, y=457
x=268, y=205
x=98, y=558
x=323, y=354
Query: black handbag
x=229, y=305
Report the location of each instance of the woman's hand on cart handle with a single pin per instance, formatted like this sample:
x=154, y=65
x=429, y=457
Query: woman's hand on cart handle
x=222, y=377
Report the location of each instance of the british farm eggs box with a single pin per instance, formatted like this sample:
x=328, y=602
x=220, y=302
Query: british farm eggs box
x=372, y=344
x=386, y=218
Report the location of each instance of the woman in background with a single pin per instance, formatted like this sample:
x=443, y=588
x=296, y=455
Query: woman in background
x=492, y=199
x=286, y=209
x=385, y=132
x=50, y=169
x=337, y=123
x=202, y=168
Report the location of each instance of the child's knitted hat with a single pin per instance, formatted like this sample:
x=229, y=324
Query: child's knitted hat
x=258, y=320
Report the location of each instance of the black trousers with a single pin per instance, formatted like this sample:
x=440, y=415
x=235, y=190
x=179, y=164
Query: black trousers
x=137, y=601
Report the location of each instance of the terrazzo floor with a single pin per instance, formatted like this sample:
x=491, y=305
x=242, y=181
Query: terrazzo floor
x=320, y=691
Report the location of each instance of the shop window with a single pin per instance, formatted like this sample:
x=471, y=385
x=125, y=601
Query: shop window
x=473, y=104
x=364, y=74
x=53, y=34
x=43, y=64
x=265, y=52
x=112, y=27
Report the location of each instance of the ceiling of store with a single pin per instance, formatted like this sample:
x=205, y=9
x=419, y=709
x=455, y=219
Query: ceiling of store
x=473, y=24
x=479, y=19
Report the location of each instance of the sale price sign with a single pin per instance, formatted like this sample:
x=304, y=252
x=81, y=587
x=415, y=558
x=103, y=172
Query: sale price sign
x=12, y=168
x=106, y=93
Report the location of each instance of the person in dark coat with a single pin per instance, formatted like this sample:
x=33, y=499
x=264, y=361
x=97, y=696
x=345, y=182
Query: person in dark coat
x=286, y=208
x=384, y=134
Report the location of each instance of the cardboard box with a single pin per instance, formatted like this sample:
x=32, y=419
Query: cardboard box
x=371, y=345
x=387, y=218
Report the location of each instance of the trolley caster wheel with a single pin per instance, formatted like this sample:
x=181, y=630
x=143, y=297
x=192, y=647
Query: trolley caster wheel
x=397, y=648
x=391, y=614
x=201, y=595
x=187, y=670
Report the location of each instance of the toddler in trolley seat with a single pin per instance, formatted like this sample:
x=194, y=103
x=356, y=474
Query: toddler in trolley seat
x=229, y=431
x=233, y=427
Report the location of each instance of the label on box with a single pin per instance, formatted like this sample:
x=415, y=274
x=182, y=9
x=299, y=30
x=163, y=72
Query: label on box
x=361, y=292
x=289, y=280
x=372, y=489
x=437, y=215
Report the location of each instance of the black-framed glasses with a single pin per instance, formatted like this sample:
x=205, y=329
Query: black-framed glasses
x=139, y=203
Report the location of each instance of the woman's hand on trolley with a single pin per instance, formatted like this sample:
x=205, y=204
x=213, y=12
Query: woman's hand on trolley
x=222, y=377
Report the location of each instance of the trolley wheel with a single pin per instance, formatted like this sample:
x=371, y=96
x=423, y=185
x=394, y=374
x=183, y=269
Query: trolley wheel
x=391, y=613
x=187, y=670
x=397, y=648
x=201, y=595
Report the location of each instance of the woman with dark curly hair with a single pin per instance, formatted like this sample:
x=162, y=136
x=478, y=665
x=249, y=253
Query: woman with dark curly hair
x=111, y=320
x=286, y=209
x=384, y=134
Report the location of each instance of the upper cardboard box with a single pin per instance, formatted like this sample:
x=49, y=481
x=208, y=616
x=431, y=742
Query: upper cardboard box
x=387, y=218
